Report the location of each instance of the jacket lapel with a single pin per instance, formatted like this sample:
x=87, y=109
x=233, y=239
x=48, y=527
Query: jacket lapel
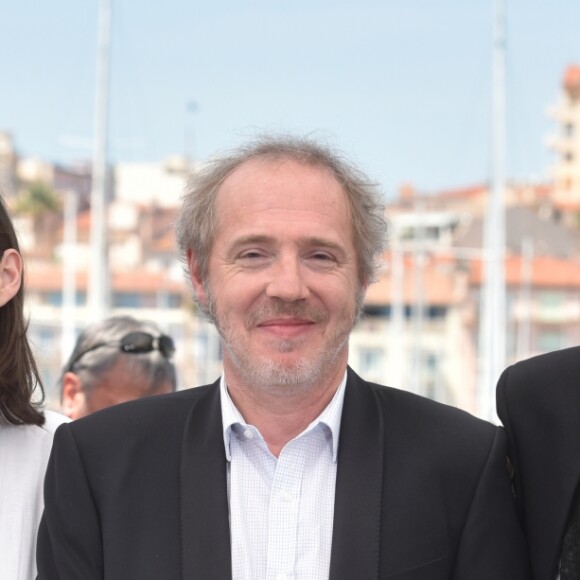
x=359, y=481
x=206, y=549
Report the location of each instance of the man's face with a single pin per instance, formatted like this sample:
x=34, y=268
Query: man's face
x=282, y=278
x=117, y=385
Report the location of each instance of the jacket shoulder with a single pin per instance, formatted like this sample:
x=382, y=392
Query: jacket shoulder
x=428, y=423
x=429, y=411
x=149, y=416
x=540, y=378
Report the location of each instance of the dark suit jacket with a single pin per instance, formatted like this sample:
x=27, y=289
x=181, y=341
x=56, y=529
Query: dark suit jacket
x=538, y=401
x=138, y=491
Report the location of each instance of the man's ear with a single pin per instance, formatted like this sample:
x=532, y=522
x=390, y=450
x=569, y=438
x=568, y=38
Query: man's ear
x=10, y=275
x=195, y=277
x=74, y=399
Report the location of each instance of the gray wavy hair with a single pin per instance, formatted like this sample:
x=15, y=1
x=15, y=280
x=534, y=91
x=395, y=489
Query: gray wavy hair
x=153, y=368
x=196, y=222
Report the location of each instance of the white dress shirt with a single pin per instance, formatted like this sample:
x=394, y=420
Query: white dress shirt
x=281, y=509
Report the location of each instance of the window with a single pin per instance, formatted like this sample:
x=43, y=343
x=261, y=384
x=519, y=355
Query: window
x=551, y=299
x=52, y=298
x=371, y=360
x=134, y=300
x=385, y=311
x=549, y=340
x=380, y=311
x=436, y=312
x=174, y=300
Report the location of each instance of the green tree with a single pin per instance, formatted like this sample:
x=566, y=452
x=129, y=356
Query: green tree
x=42, y=205
x=37, y=199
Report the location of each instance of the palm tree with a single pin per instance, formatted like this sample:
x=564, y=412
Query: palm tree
x=42, y=205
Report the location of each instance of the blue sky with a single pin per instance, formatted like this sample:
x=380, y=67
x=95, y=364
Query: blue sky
x=403, y=87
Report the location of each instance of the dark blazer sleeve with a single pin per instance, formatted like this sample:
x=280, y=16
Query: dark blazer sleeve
x=492, y=543
x=69, y=539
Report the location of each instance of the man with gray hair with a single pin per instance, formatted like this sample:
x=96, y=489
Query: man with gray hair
x=289, y=466
x=114, y=361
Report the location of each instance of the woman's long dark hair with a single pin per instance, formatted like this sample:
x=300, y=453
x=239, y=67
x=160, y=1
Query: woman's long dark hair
x=19, y=375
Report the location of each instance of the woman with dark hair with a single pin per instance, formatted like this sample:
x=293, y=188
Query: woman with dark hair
x=25, y=430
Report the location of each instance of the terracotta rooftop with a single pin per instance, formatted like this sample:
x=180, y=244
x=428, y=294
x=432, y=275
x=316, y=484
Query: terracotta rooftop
x=48, y=278
x=572, y=80
x=441, y=285
x=462, y=193
x=547, y=272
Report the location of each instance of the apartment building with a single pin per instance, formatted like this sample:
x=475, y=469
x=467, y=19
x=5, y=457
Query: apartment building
x=566, y=142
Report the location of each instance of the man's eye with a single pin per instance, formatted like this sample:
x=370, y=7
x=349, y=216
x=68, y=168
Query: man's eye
x=252, y=257
x=321, y=256
x=322, y=260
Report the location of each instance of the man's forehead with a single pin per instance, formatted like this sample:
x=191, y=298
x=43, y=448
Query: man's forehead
x=278, y=186
x=264, y=167
x=279, y=183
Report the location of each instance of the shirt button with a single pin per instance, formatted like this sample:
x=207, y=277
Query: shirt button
x=282, y=577
x=286, y=497
x=248, y=434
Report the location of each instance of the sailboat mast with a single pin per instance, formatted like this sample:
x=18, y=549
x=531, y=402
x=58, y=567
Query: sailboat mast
x=493, y=308
x=98, y=289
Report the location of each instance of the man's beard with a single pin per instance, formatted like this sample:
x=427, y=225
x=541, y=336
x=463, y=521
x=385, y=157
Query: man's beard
x=274, y=375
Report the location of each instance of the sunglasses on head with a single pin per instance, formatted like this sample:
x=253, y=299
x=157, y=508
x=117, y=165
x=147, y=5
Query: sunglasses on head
x=134, y=343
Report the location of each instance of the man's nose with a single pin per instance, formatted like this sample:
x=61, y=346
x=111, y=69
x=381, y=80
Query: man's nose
x=287, y=281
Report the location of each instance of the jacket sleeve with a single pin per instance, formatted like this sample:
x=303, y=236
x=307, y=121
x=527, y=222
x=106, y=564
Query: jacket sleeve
x=69, y=539
x=492, y=543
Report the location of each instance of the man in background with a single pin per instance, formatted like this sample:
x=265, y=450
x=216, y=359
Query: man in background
x=114, y=361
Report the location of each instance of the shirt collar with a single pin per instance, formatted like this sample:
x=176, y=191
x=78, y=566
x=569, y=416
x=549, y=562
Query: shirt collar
x=331, y=416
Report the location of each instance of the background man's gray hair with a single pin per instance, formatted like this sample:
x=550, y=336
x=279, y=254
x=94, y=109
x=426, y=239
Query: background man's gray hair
x=154, y=369
x=196, y=223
